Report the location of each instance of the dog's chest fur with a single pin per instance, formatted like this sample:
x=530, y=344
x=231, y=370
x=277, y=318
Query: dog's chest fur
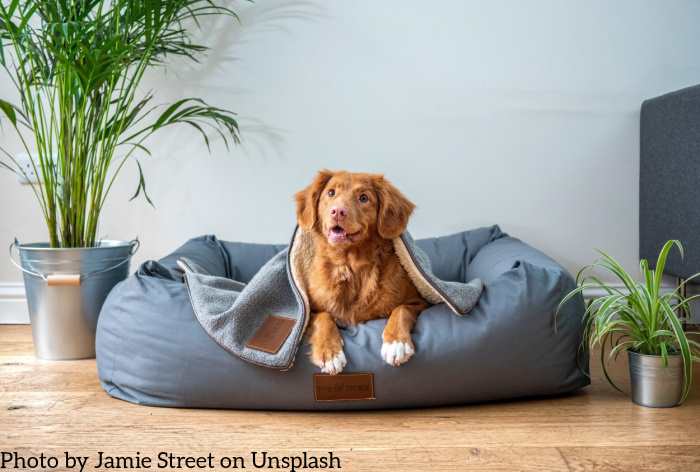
x=359, y=285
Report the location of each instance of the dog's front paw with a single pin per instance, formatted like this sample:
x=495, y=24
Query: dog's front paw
x=328, y=361
x=397, y=352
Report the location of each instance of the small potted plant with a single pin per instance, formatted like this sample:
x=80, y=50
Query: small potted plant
x=643, y=320
x=81, y=117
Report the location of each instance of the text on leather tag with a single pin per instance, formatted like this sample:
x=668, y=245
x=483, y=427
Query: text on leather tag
x=271, y=334
x=339, y=387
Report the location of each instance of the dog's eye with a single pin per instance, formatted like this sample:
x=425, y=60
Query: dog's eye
x=364, y=198
x=331, y=193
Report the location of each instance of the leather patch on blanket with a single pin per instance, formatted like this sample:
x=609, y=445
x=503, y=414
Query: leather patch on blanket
x=271, y=334
x=340, y=387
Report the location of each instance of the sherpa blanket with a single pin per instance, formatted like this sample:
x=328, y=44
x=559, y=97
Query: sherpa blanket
x=263, y=321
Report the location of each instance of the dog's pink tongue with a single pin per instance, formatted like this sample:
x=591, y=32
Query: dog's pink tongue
x=337, y=236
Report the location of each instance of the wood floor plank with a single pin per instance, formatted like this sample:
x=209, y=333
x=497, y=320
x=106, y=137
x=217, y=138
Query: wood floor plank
x=53, y=407
x=642, y=459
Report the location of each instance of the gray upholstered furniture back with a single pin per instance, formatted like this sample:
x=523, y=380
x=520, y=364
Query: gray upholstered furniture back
x=669, y=177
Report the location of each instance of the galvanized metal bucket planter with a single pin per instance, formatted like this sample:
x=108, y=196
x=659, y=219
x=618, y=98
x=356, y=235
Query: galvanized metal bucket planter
x=654, y=384
x=66, y=288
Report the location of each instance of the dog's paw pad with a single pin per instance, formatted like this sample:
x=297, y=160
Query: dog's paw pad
x=397, y=352
x=334, y=365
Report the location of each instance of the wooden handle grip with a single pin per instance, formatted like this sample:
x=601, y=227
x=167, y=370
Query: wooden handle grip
x=63, y=279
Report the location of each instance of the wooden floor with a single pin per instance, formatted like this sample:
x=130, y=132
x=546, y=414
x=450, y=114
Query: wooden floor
x=53, y=407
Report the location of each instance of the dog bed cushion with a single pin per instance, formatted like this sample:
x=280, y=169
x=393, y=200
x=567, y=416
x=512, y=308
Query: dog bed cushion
x=233, y=313
x=152, y=350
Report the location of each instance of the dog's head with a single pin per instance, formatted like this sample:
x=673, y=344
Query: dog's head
x=350, y=208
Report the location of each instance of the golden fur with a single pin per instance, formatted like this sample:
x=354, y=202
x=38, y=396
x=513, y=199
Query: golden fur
x=355, y=275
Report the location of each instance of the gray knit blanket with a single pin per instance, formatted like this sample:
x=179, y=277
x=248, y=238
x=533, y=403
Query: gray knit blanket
x=263, y=321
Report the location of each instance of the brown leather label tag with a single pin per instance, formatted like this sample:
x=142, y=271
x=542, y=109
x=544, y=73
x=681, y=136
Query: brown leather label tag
x=340, y=387
x=271, y=334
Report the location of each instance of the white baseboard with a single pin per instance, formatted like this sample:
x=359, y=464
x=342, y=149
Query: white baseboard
x=13, y=304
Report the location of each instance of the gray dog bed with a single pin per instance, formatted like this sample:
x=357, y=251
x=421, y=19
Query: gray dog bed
x=152, y=350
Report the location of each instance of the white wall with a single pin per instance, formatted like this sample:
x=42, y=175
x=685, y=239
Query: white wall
x=518, y=113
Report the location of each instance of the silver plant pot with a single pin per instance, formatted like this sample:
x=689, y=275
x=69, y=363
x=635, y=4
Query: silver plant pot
x=653, y=384
x=66, y=288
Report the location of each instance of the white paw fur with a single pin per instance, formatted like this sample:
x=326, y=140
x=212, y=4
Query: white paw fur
x=397, y=352
x=334, y=365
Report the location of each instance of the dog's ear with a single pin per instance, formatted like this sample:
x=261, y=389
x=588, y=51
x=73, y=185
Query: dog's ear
x=307, y=200
x=394, y=209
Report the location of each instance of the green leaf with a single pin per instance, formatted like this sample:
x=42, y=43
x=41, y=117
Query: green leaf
x=12, y=7
x=684, y=346
x=8, y=167
x=140, y=147
x=664, y=353
x=9, y=110
x=605, y=368
x=661, y=261
x=163, y=118
x=141, y=186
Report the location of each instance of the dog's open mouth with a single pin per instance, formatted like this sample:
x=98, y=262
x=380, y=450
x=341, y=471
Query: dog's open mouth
x=337, y=234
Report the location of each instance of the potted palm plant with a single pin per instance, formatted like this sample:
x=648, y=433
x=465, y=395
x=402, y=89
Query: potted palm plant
x=643, y=320
x=81, y=117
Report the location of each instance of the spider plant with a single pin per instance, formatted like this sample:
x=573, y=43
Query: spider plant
x=640, y=317
x=77, y=66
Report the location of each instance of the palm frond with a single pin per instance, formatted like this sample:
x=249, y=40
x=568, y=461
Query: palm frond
x=77, y=65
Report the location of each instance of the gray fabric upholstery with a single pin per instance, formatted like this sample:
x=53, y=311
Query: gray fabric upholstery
x=668, y=178
x=151, y=350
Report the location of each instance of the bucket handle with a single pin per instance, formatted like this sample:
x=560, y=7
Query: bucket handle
x=68, y=279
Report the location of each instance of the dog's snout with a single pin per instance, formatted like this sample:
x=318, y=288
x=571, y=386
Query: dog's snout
x=339, y=213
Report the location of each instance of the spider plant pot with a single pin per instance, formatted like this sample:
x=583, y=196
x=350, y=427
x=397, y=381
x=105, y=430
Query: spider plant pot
x=654, y=384
x=65, y=289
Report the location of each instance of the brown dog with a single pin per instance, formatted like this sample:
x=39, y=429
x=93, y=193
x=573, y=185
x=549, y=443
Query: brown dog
x=355, y=274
